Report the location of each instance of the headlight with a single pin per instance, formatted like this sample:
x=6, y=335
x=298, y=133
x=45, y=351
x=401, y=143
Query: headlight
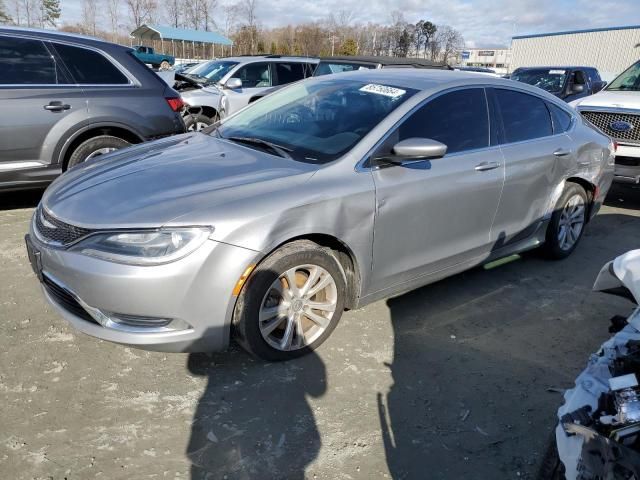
x=143, y=247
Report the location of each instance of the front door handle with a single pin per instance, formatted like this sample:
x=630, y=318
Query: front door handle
x=57, y=106
x=561, y=152
x=484, y=166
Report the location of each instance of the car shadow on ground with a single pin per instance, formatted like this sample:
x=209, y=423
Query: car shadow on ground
x=253, y=420
x=13, y=200
x=475, y=356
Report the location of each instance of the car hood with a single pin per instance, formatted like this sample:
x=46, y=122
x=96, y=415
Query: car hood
x=612, y=99
x=151, y=184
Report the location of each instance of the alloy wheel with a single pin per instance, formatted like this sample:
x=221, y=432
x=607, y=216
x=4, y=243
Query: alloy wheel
x=571, y=222
x=100, y=151
x=298, y=307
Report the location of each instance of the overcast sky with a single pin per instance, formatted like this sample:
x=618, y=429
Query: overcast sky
x=483, y=23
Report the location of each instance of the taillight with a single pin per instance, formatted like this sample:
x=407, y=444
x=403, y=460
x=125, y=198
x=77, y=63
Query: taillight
x=175, y=103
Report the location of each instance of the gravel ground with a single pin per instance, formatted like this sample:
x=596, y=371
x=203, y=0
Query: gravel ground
x=449, y=381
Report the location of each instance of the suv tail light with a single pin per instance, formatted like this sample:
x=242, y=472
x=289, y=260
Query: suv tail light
x=175, y=103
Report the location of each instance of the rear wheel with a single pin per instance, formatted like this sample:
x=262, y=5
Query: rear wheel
x=567, y=222
x=95, y=147
x=291, y=303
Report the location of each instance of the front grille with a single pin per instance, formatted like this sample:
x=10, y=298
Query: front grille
x=603, y=121
x=63, y=298
x=52, y=230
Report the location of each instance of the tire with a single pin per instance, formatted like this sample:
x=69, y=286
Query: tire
x=165, y=65
x=195, y=122
x=572, y=201
x=267, y=291
x=94, y=147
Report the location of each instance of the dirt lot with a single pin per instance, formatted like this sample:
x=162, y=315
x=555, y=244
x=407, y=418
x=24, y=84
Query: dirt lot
x=449, y=381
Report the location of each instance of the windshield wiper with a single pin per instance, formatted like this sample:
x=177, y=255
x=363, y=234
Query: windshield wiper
x=278, y=149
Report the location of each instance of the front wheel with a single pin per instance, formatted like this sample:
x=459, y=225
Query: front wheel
x=291, y=303
x=164, y=65
x=567, y=222
x=194, y=122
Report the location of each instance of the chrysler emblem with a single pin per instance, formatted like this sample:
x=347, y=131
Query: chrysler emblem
x=621, y=126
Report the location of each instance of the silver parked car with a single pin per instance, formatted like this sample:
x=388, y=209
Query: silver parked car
x=327, y=195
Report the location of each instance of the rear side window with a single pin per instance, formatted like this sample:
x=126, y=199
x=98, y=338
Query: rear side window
x=289, y=72
x=458, y=119
x=524, y=116
x=561, y=119
x=89, y=67
x=27, y=62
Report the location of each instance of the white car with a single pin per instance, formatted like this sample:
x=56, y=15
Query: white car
x=218, y=88
x=616, y=111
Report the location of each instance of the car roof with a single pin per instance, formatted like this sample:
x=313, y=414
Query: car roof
x=557, y=67
x=432, y=79
x=57, y=35
x=384, y=61
x=258, y=58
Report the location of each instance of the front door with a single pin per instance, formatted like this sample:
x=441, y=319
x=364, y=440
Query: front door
x=435, y=214
x=255, y=77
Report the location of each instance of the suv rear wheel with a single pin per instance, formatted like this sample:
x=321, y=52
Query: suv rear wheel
x=94, y=147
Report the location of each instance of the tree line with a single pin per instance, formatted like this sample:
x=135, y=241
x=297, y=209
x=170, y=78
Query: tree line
x=337, y=34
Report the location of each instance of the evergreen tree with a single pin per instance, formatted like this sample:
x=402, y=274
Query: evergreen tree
x=51, y=12
x=4, y=16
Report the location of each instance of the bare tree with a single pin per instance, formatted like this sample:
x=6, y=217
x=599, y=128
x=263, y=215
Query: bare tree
x=90, y=16
x=451, y=42
x=113, y=10
x=142, y=11
x=247, y=13
x=174, y=12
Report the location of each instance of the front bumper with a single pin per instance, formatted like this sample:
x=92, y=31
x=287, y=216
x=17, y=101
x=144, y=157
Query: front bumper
x=627, y=168
x=195, y=292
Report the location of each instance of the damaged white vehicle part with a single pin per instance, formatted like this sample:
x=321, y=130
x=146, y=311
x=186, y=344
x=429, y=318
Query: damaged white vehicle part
x=582, y=412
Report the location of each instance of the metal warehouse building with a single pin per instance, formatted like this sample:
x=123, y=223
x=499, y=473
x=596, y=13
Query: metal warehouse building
x=610, y=50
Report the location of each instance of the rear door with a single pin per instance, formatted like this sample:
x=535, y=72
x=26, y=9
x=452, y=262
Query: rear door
x=38, y=100
x=289, y=72
x=535, y=157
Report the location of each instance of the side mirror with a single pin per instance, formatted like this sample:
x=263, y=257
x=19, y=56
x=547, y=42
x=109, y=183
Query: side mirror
x=577, y=89
x=233, y=84
x=599, y=86
x=413, y=149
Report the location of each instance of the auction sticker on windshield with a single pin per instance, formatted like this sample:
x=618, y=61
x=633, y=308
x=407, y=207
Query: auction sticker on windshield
x=383, y=90
x=557, y=72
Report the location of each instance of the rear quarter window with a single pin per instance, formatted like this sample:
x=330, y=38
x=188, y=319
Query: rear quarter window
x=524, y=116
x=561, y=119
x=25, y=61
x=89, y=67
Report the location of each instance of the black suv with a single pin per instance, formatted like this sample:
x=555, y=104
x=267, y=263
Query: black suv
x=567, y=83
x=67, y=98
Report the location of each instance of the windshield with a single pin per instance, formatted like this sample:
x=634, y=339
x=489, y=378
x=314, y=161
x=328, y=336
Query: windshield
x=212, y=71
x=327, y=68
x=316, y=122
x=628, y=80
x=551, y=80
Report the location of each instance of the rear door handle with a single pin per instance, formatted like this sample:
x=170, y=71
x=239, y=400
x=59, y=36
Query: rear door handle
x=57, y=106
x=484, y=166
x=561, y=152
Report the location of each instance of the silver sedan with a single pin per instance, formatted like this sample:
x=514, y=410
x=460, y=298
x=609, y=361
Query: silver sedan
x=325, y=196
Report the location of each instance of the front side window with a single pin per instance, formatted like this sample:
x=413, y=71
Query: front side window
x=524, y=116
x=89, y=67
x=552, y=80
x=27, y=62
x=458, y=119
x=627, y=80
x=316, y=122
x=254, y=75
